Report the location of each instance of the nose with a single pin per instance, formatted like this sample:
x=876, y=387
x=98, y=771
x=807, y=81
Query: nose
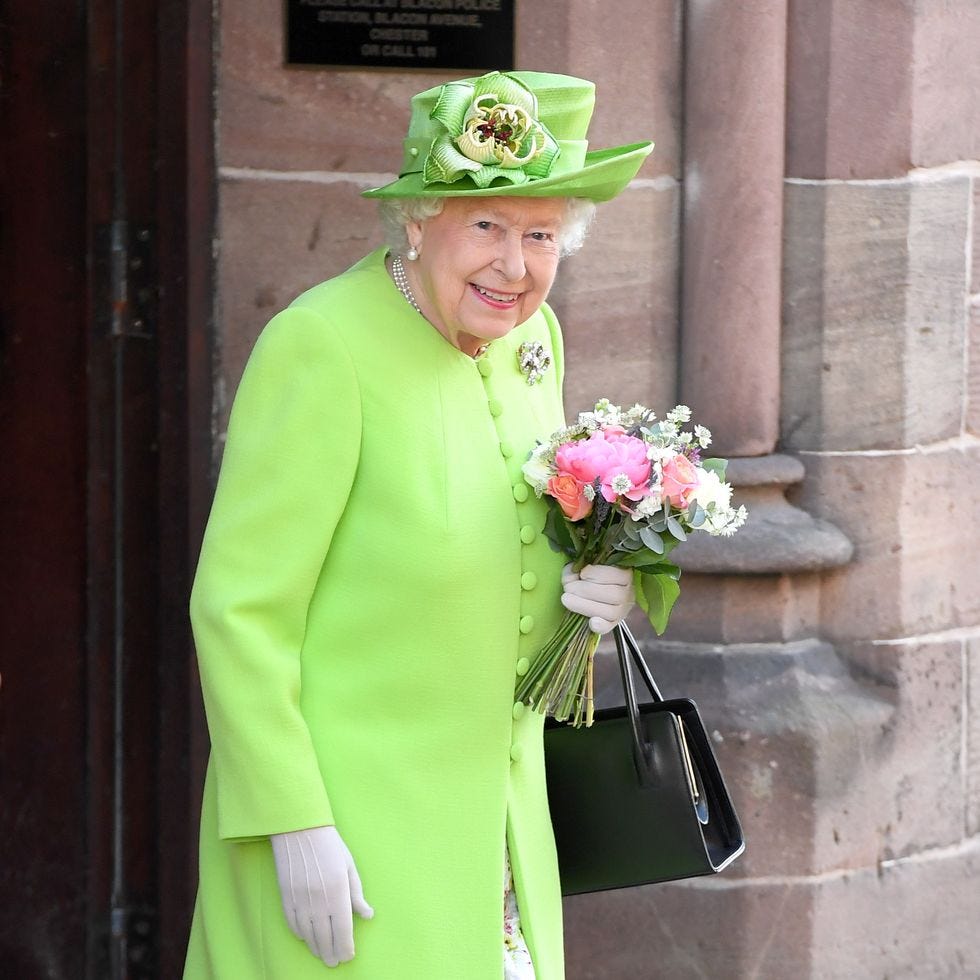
x=510, y=258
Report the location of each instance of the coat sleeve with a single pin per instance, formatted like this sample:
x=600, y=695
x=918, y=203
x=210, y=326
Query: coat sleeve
x=288, y=466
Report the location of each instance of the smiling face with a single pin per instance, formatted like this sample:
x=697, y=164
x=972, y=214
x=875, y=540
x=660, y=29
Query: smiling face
x=485, y=265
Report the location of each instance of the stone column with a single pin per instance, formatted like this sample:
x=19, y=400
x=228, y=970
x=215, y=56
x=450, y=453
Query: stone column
x=731, y=302
x=734, y=111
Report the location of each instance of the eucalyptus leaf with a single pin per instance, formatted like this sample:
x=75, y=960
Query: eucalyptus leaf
x=652, y=540
x=632, y=530
x=698, y=516
x=715, y=465
x=674, y=526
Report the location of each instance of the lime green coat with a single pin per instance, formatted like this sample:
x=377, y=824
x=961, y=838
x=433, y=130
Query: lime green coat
x=372, y=580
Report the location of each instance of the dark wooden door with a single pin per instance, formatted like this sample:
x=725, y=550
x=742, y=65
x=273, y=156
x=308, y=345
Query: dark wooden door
x=105, y=214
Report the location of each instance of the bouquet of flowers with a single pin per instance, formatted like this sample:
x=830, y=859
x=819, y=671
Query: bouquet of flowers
x=623, y=489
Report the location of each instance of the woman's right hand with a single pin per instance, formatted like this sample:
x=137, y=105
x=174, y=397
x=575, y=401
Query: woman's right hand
x=320, y=891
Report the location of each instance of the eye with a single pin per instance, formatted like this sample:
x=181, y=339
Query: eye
x=542, y=236
x=483, y=225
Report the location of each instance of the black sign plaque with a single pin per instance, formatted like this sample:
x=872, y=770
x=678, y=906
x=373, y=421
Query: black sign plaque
x=470, y=35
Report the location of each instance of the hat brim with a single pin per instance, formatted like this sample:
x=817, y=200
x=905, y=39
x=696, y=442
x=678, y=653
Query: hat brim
x=603, y=175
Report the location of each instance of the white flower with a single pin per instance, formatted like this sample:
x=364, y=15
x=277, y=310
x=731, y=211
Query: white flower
x=661, y=454
x=588, y=491
x=621, y=483
x=679, y=414
x=711, y=493
x=635, y=415
x=539, y=469
x=647, y=507
x=703, y=436
x=725, y=522
x=737, y=519
x=604, y=408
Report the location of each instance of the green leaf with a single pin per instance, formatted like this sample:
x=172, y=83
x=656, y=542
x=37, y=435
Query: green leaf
x=627, y=546
x=557, y=531
x=445, y=163
x=660, y=592
x=652, y=540
x=451, y=106
x=632, y=530
x=697, y=516
x=638, y=559
x=674, y=526
x=641, y=596
x=715, y=465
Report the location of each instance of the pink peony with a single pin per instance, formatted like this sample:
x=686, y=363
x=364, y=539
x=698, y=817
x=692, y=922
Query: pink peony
x=568, y=492
x=604, y=456
x=680, y=481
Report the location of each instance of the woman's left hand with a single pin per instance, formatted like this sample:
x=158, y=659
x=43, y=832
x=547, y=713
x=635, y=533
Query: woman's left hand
x=602, y=593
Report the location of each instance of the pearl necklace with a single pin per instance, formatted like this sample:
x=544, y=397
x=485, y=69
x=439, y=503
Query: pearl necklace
x=401, y=281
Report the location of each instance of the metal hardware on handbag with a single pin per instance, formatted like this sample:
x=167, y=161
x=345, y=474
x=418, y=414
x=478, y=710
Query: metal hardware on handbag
x=638, y=797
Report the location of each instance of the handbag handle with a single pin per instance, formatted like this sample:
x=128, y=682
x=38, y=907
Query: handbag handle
x=642, y=754
x=626, y=641
x=628, y=649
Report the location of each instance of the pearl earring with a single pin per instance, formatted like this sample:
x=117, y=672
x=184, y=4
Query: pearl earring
x=412, y=253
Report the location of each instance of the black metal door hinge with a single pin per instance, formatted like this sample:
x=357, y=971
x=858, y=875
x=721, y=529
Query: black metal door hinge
x=134, y=944
x=125, y=268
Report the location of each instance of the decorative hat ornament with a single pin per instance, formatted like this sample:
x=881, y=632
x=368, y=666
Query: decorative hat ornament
x=519, y=134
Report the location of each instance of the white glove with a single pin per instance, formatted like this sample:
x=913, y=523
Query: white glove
x=603, y=593
x=320, y=891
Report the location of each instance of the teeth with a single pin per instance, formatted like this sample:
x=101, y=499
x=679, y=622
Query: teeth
x=499, y=297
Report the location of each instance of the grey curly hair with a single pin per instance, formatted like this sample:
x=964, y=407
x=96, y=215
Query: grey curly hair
x=399, y=211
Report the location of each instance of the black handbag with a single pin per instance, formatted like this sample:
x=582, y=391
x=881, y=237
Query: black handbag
x=638, y=797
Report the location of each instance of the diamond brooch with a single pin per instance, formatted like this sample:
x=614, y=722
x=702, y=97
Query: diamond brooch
x=533, y=360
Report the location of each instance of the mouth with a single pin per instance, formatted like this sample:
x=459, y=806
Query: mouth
x=494, y=298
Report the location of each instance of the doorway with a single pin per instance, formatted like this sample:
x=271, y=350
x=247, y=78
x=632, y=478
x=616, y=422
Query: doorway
x=106, y=211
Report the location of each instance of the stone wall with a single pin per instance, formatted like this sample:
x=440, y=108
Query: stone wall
x=841, y=680
x=296, y=146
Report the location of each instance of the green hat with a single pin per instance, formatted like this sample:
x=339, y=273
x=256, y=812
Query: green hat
x=519, y=133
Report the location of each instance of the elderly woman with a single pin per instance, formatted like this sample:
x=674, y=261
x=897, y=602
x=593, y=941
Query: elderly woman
x=374, y=579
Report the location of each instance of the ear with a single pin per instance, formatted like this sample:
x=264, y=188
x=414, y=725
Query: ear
x=413, y=232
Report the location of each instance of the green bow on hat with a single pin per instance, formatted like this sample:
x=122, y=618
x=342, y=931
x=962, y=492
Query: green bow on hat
x=520, y=133
x=491, y=131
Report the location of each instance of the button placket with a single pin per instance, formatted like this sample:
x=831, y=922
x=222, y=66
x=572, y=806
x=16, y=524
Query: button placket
x=528, y=533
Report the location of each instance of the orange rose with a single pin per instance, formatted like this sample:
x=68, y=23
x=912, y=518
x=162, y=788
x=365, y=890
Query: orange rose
x=680, y=481
x=568, y=492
